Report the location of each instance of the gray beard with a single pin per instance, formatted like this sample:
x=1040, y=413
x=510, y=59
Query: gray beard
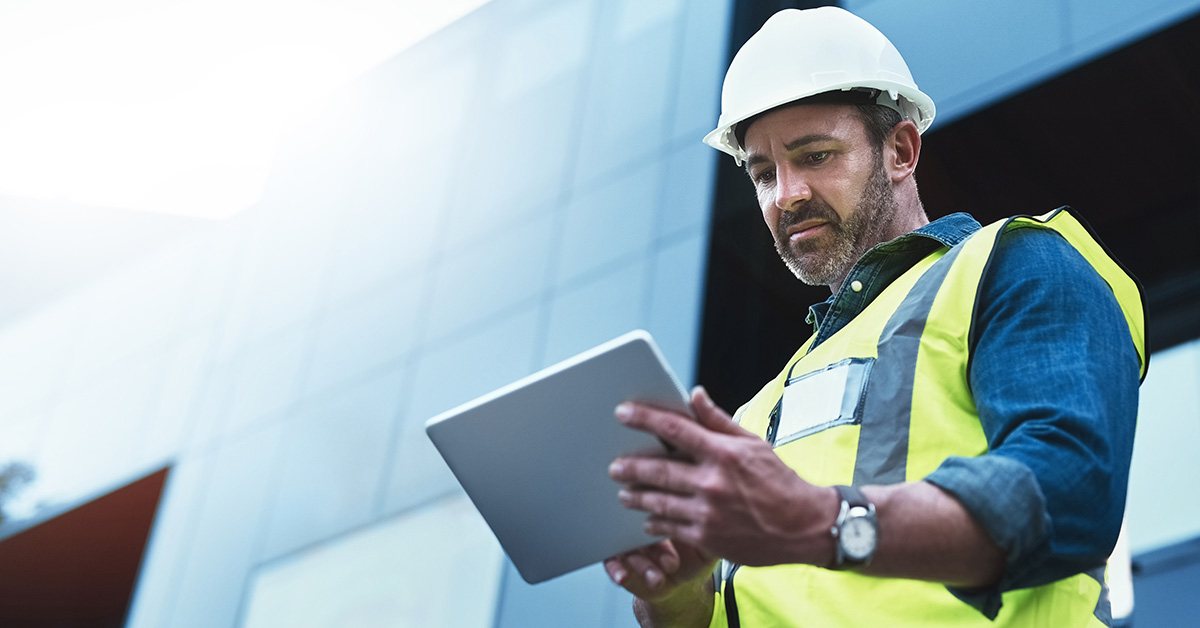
x=829, y=257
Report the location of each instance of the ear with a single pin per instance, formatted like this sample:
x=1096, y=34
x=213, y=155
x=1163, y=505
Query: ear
x=904, y=150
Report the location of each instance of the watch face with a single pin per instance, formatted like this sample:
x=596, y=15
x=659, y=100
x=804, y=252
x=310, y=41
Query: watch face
x=858, y=538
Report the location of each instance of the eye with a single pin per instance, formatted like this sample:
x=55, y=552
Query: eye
x=762, y=177
x=818, y=156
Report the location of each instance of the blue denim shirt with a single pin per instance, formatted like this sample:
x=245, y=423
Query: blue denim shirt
x=1055, y=378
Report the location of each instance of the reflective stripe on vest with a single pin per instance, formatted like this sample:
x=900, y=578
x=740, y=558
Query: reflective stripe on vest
x=917, y=410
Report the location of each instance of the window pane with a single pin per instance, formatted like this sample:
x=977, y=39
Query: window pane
x=437, y=567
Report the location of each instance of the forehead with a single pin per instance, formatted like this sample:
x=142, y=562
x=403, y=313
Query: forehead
x=786, y=124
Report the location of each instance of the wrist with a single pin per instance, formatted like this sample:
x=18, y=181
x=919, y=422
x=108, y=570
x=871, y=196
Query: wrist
x=816, y=545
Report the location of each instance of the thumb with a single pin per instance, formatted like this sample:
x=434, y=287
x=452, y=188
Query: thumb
x=710, y=415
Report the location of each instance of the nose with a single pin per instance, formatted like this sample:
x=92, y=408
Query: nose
x=791, y=188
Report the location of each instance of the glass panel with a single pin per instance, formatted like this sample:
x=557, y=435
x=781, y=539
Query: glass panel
x=436, y=567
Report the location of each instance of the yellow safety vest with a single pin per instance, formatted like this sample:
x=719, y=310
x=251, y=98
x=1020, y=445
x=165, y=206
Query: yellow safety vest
x=910, y=408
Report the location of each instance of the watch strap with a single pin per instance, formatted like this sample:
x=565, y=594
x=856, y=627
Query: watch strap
x=852, y=496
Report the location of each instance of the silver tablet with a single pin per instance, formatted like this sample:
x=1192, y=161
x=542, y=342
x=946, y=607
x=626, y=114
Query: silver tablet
x=533, y=456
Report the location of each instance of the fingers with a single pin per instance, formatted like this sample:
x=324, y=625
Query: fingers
x=673, y=516
x=665, y=505
x=694, y=436
x=671, y=528
x=647, y=569
x=658, y=571
x=644, y=570
x=682, y=432
x=658, y=473
x=712, y=416
x=666, y=556
x=616, y=570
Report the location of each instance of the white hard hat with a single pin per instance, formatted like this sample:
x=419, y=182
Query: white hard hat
x=801, y=53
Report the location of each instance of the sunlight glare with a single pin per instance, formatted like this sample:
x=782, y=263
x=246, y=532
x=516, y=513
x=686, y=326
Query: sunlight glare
x=178, y=106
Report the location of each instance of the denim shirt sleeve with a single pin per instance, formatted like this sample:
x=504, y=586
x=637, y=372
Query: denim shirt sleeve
x=1055, y=378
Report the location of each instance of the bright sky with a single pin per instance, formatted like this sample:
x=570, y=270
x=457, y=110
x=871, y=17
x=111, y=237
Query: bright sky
x=177, y=105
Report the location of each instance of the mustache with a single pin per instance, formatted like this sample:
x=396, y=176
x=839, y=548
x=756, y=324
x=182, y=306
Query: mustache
x=811, y=210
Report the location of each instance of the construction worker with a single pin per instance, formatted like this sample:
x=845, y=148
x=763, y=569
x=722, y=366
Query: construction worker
x=951, y=447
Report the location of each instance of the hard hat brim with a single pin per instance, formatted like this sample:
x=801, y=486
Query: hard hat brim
x=920, y=111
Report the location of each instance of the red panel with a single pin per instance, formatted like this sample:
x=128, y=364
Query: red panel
x=79, y=569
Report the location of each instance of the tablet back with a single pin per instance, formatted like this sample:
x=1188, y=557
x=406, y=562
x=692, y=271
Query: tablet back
x=533, y=456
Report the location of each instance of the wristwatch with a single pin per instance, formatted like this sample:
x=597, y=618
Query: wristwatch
x=856, y=531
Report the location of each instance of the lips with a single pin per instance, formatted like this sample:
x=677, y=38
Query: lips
x=805, y=229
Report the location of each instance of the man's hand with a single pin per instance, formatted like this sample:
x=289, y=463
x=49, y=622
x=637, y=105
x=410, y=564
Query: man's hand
x=726, y=494
x=656, y=572
x=734, y=498
x=672, y=581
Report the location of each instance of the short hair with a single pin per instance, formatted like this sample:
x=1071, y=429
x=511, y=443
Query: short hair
x=879, y=121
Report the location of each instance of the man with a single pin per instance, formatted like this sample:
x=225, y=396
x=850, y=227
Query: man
x=977, y=387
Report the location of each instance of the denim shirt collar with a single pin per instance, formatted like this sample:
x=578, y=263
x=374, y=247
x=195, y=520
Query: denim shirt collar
x=880, y=266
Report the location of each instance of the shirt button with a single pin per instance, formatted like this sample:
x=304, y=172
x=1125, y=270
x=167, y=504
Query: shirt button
x=856, y=286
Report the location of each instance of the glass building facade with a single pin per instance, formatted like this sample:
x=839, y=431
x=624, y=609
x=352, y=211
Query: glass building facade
x=522, y=185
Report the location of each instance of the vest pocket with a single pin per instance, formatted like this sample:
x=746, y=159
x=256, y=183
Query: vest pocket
x=821, y=399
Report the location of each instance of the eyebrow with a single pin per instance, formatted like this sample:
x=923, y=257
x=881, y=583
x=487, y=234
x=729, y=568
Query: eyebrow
x=811, y=138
